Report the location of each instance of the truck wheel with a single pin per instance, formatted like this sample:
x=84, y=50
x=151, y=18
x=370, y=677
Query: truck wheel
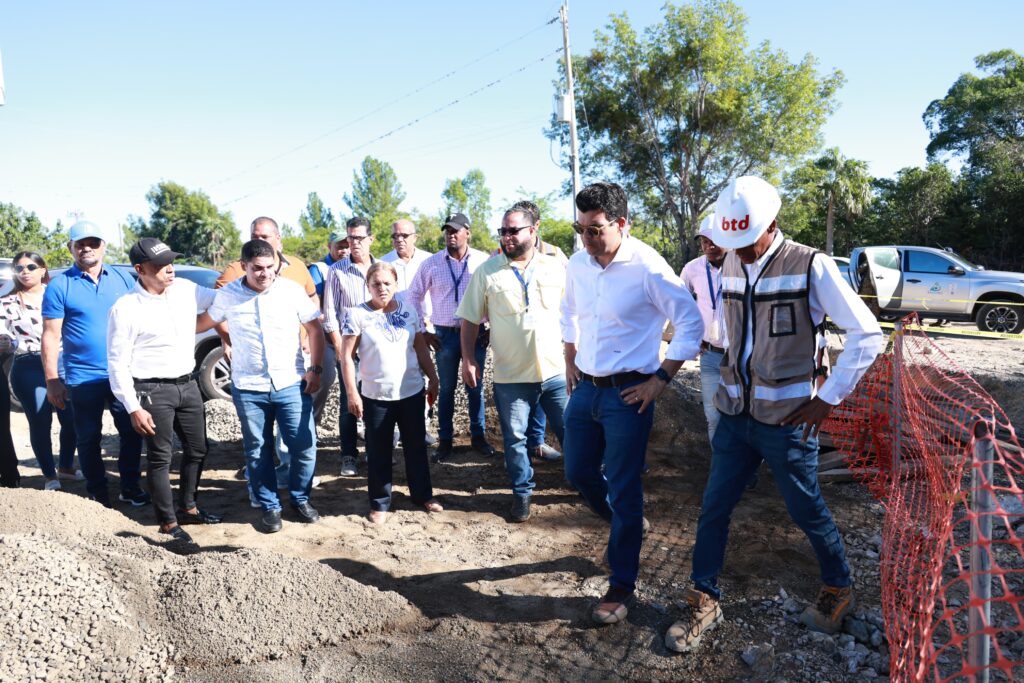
x=215, y=375
x=1001, y=316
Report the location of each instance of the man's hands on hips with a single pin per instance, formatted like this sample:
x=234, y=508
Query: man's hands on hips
x=643, y=394
x=811, y=415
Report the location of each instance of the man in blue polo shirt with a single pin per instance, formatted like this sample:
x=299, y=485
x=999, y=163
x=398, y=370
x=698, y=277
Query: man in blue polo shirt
x=75, y=309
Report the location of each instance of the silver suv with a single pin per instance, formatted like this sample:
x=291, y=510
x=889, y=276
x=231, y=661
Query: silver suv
x=940, y=284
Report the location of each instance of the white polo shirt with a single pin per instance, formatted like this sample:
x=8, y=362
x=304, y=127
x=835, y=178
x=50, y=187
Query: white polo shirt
x=266, y=351
x=153, y=335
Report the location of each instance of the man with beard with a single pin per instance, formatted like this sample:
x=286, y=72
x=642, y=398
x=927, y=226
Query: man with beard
x=445, y=277
x=703, y=277
x=75, y=309
x=150, y=347
x=518, y=291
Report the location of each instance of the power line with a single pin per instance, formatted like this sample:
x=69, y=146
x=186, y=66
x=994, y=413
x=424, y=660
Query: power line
x=402, y=127
x=384, y=106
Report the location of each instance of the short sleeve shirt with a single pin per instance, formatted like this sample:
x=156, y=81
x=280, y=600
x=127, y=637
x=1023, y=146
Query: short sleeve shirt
x=24, y=323
x=83, y=305
x=388, y=367
x=266, y=353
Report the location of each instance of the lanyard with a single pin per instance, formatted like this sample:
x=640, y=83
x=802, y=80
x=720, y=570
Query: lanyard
x=457, y=280
x=715, y=296
x=524, y=282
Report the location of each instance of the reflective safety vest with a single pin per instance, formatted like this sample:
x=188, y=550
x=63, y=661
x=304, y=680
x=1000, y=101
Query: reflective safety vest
x=779, y=376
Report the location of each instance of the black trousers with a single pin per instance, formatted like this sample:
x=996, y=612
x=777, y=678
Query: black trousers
x=9, y=476
x=176, y=408
x=380, y=418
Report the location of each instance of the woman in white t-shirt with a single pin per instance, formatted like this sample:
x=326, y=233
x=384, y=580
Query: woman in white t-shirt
x=393, y=358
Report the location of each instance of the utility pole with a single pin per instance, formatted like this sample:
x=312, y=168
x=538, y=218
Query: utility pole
x=574, y=143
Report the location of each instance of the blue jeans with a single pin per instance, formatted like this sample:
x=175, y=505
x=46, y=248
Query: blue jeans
x=739, y=446
x=518, y=404
x=710, y=375
x=600, y=429
x=292, y=409
x=449, y=358
x=29, y=386
x=87, y=404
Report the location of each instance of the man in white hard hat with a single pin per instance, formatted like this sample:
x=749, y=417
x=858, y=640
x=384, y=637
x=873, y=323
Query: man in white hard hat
x=703, y=277
x=776, y=294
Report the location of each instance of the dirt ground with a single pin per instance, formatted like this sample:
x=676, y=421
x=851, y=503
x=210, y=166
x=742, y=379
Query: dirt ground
x=484, y=599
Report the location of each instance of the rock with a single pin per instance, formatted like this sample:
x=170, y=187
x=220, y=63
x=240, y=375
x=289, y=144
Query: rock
x=877, y=638
x=857, y=628
x=790, y=606
x=760, y=659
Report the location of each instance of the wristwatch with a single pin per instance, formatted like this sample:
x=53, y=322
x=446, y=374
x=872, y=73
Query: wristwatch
x=317, y=369
x=662, y=375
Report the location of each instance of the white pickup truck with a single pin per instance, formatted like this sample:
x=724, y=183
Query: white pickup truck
x=939, y=284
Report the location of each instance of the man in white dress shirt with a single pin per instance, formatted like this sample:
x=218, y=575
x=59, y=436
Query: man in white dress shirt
x=776, y=295
x=150, y=358
x=618, y=294
x=269, y=380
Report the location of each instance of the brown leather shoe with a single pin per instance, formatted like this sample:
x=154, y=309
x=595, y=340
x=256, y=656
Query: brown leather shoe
x=704, y=614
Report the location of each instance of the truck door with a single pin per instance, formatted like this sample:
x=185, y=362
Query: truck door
x=883, y=265
x=928, y=284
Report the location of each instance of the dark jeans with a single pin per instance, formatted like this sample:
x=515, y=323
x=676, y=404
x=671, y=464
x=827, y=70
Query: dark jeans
x=739, y=446
x=347, y=422
x=449, y=360
x=601, y=429
x=175, y=408
x=380, y=418
x=29, y=386
x=9, y=476
x=88, y=402
x=518, y=404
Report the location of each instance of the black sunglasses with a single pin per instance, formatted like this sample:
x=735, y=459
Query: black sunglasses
x=590, y=230
x=29, y=267
x=512, y=231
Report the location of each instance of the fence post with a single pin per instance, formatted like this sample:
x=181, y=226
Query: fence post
x=983, y=506
x=897, y=401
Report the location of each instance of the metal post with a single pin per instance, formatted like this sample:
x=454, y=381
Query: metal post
x=983, y=506
x=897, y=399
x=574, y=143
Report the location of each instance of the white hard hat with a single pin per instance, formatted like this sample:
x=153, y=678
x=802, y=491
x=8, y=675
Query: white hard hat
x=706, y=227
x=743, y=212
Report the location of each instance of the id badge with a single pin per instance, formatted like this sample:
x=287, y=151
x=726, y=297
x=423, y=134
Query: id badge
x=715, y=330
x=529, y=320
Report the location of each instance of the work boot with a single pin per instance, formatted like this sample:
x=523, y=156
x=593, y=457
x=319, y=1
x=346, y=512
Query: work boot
x=481, y=446
x=826, y=615
x=704, y=614
x=444, y=450
x=520, y=508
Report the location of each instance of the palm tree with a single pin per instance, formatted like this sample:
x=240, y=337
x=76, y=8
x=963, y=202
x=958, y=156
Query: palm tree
x=845, y=188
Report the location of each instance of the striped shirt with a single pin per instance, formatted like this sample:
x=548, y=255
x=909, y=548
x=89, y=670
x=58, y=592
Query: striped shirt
x=345, y=287
x=445, y=279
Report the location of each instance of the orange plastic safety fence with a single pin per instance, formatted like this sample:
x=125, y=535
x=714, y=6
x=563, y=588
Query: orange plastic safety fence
x=908, y=433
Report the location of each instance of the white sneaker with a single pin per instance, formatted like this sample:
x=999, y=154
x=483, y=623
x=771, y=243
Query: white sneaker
x=52, y=485
x=349, y=467
x=68, y=476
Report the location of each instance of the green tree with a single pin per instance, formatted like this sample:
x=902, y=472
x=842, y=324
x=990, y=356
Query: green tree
x=23, y=231
x=316, y=222
x=376, y=195
x=675, y=113
x=918, y=206
x=189, y=222
x=471, y=196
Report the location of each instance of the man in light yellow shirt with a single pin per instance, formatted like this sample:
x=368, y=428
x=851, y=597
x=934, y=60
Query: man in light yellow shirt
x=519, y=291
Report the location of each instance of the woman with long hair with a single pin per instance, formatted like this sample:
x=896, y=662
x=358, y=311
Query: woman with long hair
x=21, y=316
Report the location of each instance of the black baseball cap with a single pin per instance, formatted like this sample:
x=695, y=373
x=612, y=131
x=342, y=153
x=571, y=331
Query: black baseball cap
x=457, y=221
x=152, y=250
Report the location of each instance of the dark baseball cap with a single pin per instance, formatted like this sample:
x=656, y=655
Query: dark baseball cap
x=457, y=221
x=152, y=250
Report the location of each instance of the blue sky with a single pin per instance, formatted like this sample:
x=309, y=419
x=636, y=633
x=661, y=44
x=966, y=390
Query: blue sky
x=259, y=103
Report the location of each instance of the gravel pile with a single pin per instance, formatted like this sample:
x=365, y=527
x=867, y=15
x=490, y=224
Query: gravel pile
x=253, y=605
x=222, y=421
x=63, y=619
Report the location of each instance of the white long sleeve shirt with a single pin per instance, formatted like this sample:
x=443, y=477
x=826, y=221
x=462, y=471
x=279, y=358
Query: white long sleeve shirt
x=830, y=295
x=705, y=283
x=153, y=335
x=615, y=315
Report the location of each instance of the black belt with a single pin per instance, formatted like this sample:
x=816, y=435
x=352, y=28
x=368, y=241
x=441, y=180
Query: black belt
x=704, y=346
x=184, y=379
x=447, y=327
x=615, y=380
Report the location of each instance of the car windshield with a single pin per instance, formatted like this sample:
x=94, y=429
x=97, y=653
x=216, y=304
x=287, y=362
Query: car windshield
x=203, y=277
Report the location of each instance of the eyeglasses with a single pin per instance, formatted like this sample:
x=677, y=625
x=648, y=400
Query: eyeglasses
x=29, y=267
x=358, y=238
x=590, y=230
x=402, y=236
x=503, y=232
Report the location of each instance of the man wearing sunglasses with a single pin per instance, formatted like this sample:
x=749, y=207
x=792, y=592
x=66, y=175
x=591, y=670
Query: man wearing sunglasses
x=518, y=291
x=618, y=294
x=445, y=277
